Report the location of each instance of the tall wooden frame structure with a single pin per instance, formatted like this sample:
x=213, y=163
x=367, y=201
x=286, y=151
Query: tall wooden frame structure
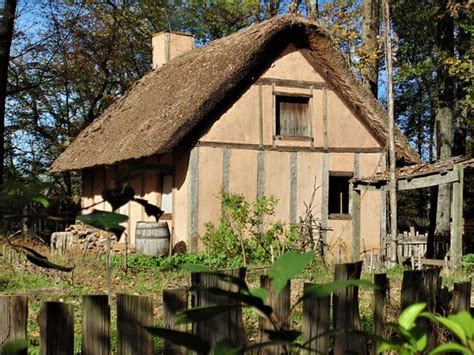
x=416, y=177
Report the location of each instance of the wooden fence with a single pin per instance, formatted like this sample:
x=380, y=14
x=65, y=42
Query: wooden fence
x=56, y=319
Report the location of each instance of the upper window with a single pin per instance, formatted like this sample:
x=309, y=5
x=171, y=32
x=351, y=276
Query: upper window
x=339, y=193
x=292, y=116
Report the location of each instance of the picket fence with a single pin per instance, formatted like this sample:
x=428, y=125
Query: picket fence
x=320, y=315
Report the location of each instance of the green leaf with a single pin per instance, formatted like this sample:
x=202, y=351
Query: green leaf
x=324, y=290
x=260, y=293
x=194, y=268
x=41, y=200
x=386, y=346
x=450, y=347
x=109, y=221
x=118, y=196
x=226, y=348
x=454, y=327
x=42, y=262
x=199, y=314
x=408, y=316
x=15, y=347
x=150, y=209
x=286, y=267
x=466, y=321
x=421, y=340
x=190, y=341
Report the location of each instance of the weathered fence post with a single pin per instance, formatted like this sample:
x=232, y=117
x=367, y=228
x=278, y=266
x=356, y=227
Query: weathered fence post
x=95, y=325
x=133, y=314
x=346, y=312
x=56, y=322
x=227, y=325
x=13, y=318
x=381, y=293
x=280, y=304
x=316, y=316
x=421, y=286
x=461, y=297
x=174, y=301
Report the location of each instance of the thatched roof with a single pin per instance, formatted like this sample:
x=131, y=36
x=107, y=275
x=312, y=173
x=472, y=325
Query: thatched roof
x=174, y=104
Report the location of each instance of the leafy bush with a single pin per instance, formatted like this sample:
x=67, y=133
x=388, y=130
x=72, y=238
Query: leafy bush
x=242, y=233
x=468, y=262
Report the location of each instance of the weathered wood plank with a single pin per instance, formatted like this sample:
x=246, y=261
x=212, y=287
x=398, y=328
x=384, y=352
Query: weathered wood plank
x=133, y=313
x=456, y=215
x=13, y=319
x=461, y=300
x=316, y=317
x=280, y=304
x=56, y=322
x=356, y=223
x=95, y=325
x=428, y=180
x=380, y=306
x=174, y=301
x=346, y=311
x=227, y=325
x=324, y=195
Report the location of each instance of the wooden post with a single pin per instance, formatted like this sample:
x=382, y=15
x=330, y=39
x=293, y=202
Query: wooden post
x=133, y=313
x=456, y=214
x=316, y=316
x=461, y=297
x=392, y=184
x=356, y=216
x=13, y=319
x=280, y=304
x=95, y=325
x=225, y=326
x=421, y=286
x=346, y=311
x=174, y=301
x=56, y=322
x=381, y=293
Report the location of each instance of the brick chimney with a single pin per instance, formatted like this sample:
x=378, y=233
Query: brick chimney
x=168, y=45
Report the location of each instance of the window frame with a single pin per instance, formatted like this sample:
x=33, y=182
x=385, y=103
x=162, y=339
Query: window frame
x=340, y=216
x=277, y=96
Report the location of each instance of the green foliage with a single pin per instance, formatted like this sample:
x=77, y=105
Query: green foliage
x=468, y=262
x=411, y=339
x=109, y=221
x=244, y=231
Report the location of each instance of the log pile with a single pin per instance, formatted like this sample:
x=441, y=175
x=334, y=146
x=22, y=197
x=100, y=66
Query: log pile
x=79, y=236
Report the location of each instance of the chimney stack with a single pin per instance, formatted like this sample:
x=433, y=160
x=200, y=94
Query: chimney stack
x=168, y=45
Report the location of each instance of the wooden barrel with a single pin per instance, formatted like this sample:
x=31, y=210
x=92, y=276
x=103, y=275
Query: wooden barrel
x=152, y=238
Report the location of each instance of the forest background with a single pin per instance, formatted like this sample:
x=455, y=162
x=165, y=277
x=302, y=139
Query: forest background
x=62, y=63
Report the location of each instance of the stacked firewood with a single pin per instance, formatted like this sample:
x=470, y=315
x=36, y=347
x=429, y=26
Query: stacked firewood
x=82, y=237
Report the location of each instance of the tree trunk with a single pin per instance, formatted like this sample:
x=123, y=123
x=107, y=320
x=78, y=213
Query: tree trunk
x=7, y=22
x=444, y=113
x=370, y=31
x=312, y=9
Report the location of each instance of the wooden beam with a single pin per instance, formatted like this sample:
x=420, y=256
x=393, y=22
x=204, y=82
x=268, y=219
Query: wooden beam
x=193, y=198
x=260, y=116
x=325, y=120
x=456, y=215
x=293, y=187
x=428, y=180
x=299, y=84
x=324, y=196
x=356, y=216
x=292, y=94
x=250, y=146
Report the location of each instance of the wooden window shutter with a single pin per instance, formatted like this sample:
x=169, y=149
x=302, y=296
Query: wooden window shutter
x=293, y=116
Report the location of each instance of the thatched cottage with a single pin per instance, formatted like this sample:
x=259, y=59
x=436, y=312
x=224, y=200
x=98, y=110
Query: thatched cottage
x=266, y=110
